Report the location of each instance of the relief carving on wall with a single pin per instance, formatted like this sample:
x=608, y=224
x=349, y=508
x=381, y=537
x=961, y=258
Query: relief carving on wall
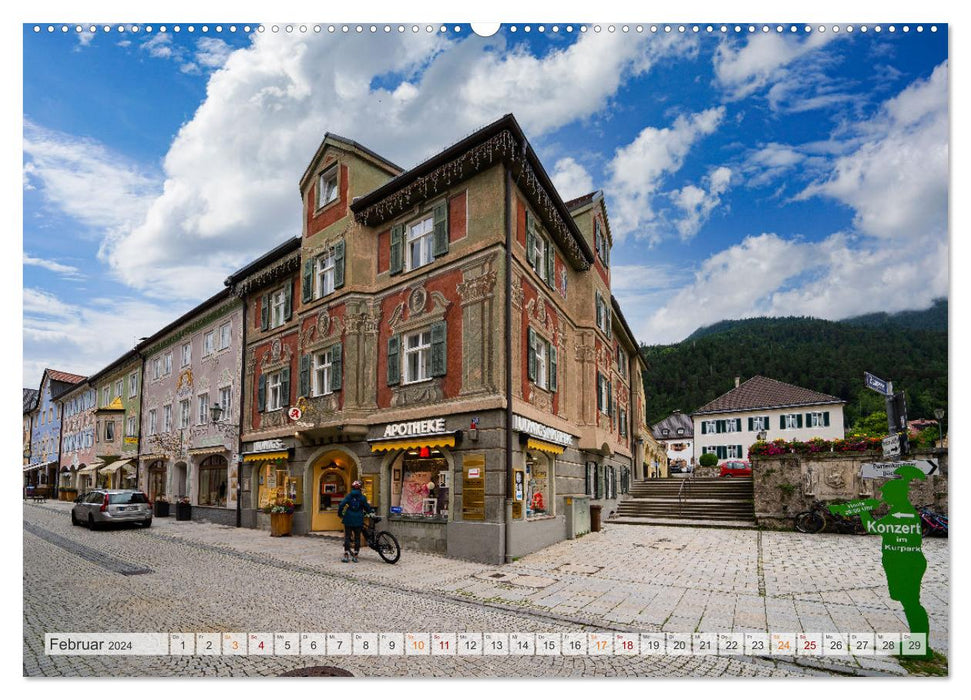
x=279, y=356
x=834, y=478
x=274, y=419
x=518, y=294
x=543, y=400
x=318, y=409
x=325, y=331
x=537, y=312
x=415, y=312
x=426, y=392
x=477, y=288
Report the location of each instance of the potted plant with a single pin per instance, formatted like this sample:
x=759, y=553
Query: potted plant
x=161, y=507
x=281, y=518
x=183, y=509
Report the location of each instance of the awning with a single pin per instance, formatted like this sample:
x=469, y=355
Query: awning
x=90, y=469
x=115, y=466
x=414, y=443
x=266, y=456
x=543, y=446
x=207, y=450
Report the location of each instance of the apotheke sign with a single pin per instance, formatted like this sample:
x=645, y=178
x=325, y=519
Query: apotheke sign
x=417, y=427
x=543, y=432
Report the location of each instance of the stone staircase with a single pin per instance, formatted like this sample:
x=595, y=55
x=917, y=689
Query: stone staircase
x=712, y=502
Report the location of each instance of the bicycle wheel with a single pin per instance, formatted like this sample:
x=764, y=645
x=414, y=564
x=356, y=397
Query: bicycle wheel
x=810, y=522
x=388, y=547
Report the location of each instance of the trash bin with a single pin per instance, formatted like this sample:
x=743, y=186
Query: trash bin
x=595, y=509
x=183, y=511
x=162, y=509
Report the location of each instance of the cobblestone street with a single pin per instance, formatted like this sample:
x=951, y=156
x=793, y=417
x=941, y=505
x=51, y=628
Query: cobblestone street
x=211, y=578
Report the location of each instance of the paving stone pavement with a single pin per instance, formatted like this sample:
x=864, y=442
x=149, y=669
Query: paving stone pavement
x=627, y=578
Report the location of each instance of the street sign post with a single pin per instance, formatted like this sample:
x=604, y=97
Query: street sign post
x=884, y=470
x=891, y=446
x=878, y=385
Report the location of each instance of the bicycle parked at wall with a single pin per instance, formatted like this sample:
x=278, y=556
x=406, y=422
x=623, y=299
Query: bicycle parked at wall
x=818, y=519
x=931, y=523
x=384, y=543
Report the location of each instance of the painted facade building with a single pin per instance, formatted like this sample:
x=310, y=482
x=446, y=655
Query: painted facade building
x=676, y=434
x=45, y=435
x=191, y=367
x=30, y=405
x=767, y=409
x=78, y=465
x=448, y=336
x=116, y=422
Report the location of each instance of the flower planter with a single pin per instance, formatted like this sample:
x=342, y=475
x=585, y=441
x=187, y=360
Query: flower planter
x=162, y=509
x=183, y=511
x=281, y=524
x=68, y=494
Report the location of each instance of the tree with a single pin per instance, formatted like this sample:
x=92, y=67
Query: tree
x=874, y=425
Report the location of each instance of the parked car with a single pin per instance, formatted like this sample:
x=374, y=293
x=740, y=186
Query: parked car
x=736, y=467
x=106, y=506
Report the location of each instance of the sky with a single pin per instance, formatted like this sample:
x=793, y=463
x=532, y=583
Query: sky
x=745, y=174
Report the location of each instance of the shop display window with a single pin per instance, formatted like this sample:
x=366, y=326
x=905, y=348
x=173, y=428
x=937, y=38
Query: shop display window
x=539, y=485
x=420, y=483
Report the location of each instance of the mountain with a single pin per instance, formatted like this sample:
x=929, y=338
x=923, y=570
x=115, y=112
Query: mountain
x=908, y=348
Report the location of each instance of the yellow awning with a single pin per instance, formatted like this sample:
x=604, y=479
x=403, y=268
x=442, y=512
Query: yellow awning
x=93, y=467
x=543, y=446
x=115, y=466
x=266, y=456
x=414, y=443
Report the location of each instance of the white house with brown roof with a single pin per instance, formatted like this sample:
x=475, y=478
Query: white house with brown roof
x=676, y=433
x=763, y=408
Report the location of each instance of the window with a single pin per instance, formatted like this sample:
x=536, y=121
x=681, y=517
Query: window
x=419, y=485
x=167, y=418
x=226, y=402
x=109, y=430
x=603, y=315
x=539, y=483
x=623, y=422
x=600, y=243
x=213, y=479
x=132, y=384
x=203, y=417
x=541, y=362
x=726, y=425
x=184, y=413
x=168, y=363
x=119, y=387
x=790, y=421
x=321, y=373
x=152, y=422
x=539, y=350
x=730, y=426
x=604, y=394
x=274, y=386
x=817, y=419
x=131, y=430
x=208, y=343
x=539, y=251
x=157, y=368
x=417, y=356
x=278, y=302
x=539, y=255
x=758, y=423
x=225, y=334
x=186, y=355
x=733, y=452
x=327, y=187
x=324, y=267
x=563, y=281
x=418, y=246
x=105, y=399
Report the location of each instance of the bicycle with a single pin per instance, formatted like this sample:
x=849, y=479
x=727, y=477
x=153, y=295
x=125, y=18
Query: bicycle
x=384, y=543
x=932, y=523
x=819, y=518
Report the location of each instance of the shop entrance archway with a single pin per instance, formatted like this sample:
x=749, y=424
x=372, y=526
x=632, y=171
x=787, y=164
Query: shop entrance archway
x=332, y=474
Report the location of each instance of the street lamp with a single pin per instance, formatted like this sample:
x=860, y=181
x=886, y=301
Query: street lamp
x=216, y=412
x=939, y=414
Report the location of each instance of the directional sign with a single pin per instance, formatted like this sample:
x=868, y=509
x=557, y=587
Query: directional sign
x=891, y=446
x=879, y=385
x=883, y=470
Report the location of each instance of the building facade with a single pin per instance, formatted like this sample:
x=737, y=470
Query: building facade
x=30, y=406
x=78, y=466
x=191, y=367
x=446, y=335
x=116, y=422
x=676, y=434
x=45, y=432
x=764, y=409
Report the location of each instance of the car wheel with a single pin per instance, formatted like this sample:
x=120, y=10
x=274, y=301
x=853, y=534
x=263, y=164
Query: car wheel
x=147, y=523
x=74, y=519
x=92, y=525
x=728, y=476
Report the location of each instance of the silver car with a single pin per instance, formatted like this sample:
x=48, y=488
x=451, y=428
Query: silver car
x=104, y=506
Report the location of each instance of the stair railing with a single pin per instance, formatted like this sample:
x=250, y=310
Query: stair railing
x=683, y=493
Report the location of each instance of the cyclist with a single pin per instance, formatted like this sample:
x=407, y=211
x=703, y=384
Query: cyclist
x=351, y=511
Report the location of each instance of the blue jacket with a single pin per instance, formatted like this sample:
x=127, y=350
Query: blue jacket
x=349, y=516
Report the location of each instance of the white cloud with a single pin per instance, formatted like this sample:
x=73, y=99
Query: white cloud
x=762, y=60
x=212, y=53
x=638, y=169
x=67, y=271
x=697, y=203
x=571, y=179
x=160, y=46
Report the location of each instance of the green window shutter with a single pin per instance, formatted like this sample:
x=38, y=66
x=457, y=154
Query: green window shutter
x=261, y=394
x=285, y=386
x=606, y=252
x=809, y=420
x=782, y=422
x=721, y=426
x=397, y=249
x=826, y=418
x=336, y=366
x=589, y=480
x=549, y=264
x=440, y=230
x=722, y=452
x=304, y=376
x=339, y=265
x=599, y=310
x=738, y=425
x=610, y=398
x=601, y=476
x=552, y=367
x=265, y=312
x=738, y=451
x=600, y=397
x=307, y=281
x=609, y=313
x=596, y=237
x=394, y=363
x=751, y=424
x=529, y=237
x=530, y=355
x=439, y=348
x=704, y=427
x=766, y=423
x=798, y=420
x=288, y=301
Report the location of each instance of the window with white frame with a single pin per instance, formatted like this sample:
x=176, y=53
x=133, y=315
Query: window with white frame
x=327, y=187
x=539, y=255
x=760, y=423
x=274, y=391
x=278, y=303
x=105, y=396
x=132, y=384
x=157, y=368
x=131, y=429
x=730, y=426
x=208, y=343
x=186, y=355
x=814, y=419
x=603, y=391
x=119, y=387
x=225, y=335
x=152, y=422
x=322, y=368
x=324, y=267
x=539, y=350
x=417, y=357
x=203, y=417
x=419, y=243
x=733, y=452
x=791, y=421
x=167, y=418
x=109, y=430
x=168, y=363
x=185, y=411
x=225, y=402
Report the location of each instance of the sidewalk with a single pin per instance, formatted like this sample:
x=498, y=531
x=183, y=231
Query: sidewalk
x=646, y=578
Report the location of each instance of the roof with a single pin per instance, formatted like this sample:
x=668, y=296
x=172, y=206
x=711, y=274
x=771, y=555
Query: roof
x=67, y=377
x=671, y=424
x=623, y=321
x=112, y=366
x=518, y=153
x=288, y=246
x=761, y=392
x=219, y=296
x=341, y=141
x=30, y=399
x=583, y=200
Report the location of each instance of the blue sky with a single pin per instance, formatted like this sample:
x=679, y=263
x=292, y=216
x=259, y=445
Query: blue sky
x=765, y=173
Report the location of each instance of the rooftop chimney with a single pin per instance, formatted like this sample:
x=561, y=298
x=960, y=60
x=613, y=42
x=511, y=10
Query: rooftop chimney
x=736, y=381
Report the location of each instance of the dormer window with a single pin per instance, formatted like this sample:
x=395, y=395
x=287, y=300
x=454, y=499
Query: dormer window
x=680, y=431
x=327, y=187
